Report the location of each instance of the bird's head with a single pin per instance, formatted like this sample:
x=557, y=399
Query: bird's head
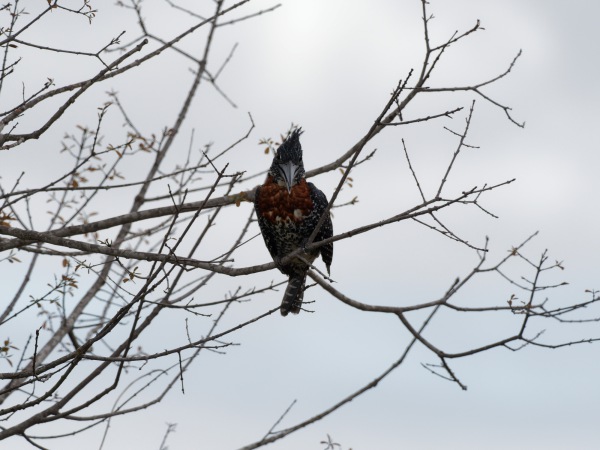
x=287, y=168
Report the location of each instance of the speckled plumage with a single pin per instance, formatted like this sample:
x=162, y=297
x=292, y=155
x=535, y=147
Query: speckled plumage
x=288, y=210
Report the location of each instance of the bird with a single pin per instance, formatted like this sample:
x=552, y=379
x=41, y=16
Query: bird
x=288, y=209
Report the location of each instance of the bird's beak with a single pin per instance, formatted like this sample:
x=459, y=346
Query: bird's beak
x=288, y=171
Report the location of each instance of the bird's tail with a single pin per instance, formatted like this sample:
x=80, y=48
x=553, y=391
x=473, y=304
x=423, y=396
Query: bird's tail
x=294, y=293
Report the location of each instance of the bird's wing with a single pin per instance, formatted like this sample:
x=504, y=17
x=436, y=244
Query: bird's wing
x=267, y=234
x=326, y=231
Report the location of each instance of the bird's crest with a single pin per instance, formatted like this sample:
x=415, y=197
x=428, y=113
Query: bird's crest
x=290, y=149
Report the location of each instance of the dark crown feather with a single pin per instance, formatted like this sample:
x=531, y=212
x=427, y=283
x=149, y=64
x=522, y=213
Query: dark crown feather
x=290, y=149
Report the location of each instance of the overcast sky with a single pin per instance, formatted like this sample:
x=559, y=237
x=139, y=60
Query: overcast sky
x=330, y=66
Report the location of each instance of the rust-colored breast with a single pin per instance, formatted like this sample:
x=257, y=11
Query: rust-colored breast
x=276, y=204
